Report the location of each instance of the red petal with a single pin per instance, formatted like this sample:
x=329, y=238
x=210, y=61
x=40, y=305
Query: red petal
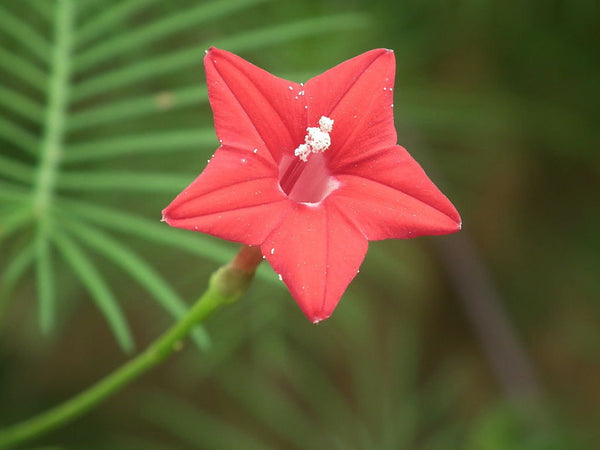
x=317, y=251
x=253, y=108
x=237, y=197
x=357, y=95
x=389, y=196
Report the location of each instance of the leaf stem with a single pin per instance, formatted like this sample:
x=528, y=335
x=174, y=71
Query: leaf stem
x=226, y=285
x=52, y=141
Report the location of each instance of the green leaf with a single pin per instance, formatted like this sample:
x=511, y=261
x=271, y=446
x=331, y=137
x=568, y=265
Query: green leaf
x=123, y=181
x=138, y=269
x=197, y=428
x=117, y=111
x=15, y=269
x=25, y=34
x=97, y=287
x=19, y=104
x=196, y=243
x=109, y=48
x=23, y=70
x=14, y=170
x=150, y=230
x=281, y=33
x=10, y=192
x=44, y=280
x=11, y=222
x=110, y=17
x=18, y=136
x=183, y=59
x=45, y=9
x=150, y=142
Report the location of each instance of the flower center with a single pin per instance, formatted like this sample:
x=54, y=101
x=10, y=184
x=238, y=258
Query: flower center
x=306, y=179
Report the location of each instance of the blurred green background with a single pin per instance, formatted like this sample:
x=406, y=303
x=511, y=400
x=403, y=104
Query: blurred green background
x=483, y=340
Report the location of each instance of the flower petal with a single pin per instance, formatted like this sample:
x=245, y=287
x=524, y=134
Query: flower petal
x=237, y=197
x=389, y=196
x=253, y=108
x=317, y=251
x=357, y=95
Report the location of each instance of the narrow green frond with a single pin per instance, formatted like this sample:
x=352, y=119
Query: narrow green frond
x=138, y=269
x=25, y=34
x=97, y=287
x=182, y=59
x=45, y=9
x=281, y=33
x=114, y=15
x=272, y=405
x=10, y=192
x=152, y=230
x=109, y=48
x=19, y=104
x=18, y=136
x=146, y=143
x=122, y=181
x=14, y=220
x=138, y=72
x=23, y=70
x=14, y=170
x=197, y=428
x=15, y=269
x=44, y=279
x=137, y=107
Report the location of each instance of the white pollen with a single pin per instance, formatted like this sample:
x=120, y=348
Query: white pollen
x=301, y=93
x=302, y=152
x=326, y=124
x=273, y=250
x=255, y=150
x=280, y=277
x=243, y=160
x=317, y=140
x=290, y=88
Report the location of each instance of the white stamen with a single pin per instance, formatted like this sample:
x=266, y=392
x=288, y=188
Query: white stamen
x=290, y=88
x=255, y=150
x=302, y=152
x=280, y=277
x=273, y=250
x=326, y=124
x=317, y=140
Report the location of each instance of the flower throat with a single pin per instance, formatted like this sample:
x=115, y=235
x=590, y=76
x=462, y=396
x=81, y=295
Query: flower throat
x=306, y=179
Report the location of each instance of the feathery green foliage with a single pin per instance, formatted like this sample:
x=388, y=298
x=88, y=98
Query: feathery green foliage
x=81, y=78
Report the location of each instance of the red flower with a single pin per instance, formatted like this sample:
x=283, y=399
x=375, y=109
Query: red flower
x=310, y=173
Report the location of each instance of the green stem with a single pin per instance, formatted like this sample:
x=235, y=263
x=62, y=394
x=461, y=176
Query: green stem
x=226, y=285
x=54, y=126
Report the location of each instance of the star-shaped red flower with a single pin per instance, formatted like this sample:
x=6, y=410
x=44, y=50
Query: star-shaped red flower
x=310, y=173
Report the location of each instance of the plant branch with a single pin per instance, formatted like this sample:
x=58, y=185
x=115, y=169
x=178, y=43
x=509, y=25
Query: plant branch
x=226, y=285
x=52, y=141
